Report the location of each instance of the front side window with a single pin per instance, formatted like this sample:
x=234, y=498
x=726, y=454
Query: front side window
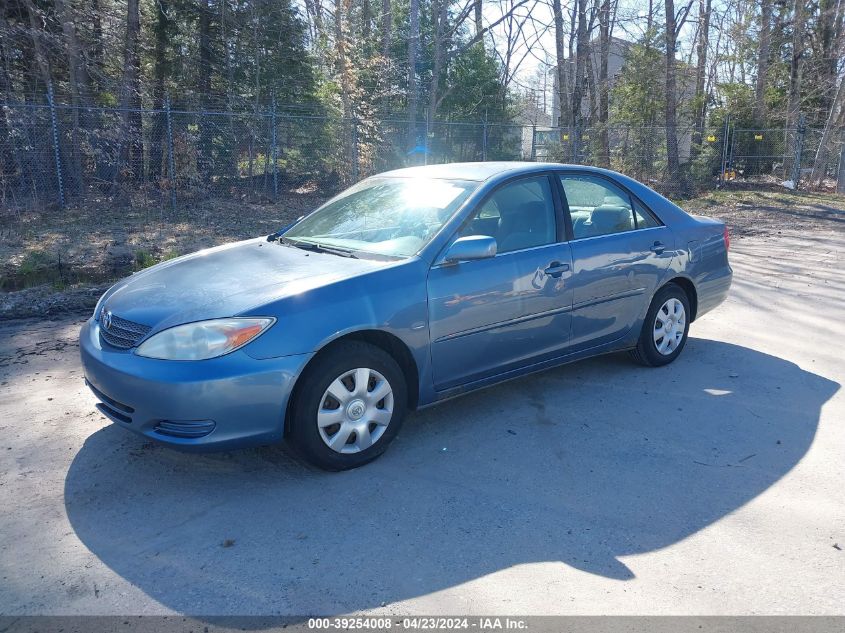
x=519, y=215
x=596, y=206
x=383, y=215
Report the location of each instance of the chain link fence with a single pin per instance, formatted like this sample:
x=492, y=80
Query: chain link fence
x=168, y=159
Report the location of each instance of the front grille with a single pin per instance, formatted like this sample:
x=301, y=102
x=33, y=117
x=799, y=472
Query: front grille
x=122, y=333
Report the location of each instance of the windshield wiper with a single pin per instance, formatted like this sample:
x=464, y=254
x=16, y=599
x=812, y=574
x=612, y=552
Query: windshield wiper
x=317, y=248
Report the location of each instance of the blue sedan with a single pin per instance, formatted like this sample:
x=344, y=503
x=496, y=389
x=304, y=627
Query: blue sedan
x=407, y=289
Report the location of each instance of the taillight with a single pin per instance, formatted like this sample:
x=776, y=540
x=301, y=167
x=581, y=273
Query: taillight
x=727, y=238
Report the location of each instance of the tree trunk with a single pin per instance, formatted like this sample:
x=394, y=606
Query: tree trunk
x=578, y=85
x=604, y=88
x=366, y=20
x=479, y=23
x=439, y=9
x=386, y=28
x=763, y=47
x=592, y=89
x=700, y=114
x=132, y=150
x=413, y=48
x=672, y=159
x=34, y=32
x=79, y=91
x=97, y=46
x=204, y=158
x=563, y=115
x=828, y=33
x=342, y=60
x=796, y=68
x=834, y=122
x=160, y=72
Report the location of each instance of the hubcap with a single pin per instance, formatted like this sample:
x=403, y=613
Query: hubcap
x=669, y=326
x=355, y=410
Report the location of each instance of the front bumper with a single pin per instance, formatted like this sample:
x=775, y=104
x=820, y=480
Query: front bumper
x=218, y=404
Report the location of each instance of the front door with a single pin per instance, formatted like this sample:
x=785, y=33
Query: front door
x=492, y=315
x=620, y=251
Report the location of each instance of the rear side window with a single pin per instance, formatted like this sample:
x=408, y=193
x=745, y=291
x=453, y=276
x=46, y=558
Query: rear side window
x=597, y=207
x=645, y=220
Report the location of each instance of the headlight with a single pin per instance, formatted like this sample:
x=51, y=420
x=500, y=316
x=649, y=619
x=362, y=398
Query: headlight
x=204, y=339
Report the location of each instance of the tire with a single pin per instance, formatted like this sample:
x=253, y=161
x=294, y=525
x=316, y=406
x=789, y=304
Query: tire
x=648, y=351
x=358, y=426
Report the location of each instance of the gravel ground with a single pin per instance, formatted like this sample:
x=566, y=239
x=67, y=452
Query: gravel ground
x=711, y=486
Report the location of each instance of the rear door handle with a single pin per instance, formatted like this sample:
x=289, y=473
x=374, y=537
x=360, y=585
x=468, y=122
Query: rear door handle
x=556, y=269
x=658, y=247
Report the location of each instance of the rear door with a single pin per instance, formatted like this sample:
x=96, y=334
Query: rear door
x=492, y=315
x=620, y=251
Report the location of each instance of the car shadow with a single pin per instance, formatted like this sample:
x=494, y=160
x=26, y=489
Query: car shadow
x=585, y=464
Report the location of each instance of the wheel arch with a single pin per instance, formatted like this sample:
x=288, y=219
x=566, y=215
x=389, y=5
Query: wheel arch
x=689, y=288
x=386, y=341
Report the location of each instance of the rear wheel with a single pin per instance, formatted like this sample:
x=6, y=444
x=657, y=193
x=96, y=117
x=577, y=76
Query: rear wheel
x=349, y=406
x=665, y=328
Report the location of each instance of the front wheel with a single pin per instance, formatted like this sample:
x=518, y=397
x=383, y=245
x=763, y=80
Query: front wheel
x=665, y=328
x=349, y=406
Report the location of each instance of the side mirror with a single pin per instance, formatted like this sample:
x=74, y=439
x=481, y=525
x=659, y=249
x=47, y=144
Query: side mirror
x=471, y=247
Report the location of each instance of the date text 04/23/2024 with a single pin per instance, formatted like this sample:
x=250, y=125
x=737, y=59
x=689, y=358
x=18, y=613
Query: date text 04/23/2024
x=420, y=623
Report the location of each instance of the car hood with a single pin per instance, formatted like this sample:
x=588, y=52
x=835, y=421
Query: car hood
x=226, y=281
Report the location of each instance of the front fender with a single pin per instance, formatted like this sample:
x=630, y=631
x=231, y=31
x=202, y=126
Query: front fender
x=391, y=299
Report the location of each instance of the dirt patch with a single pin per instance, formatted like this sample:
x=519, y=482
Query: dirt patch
x=54, y=261
x=771, y=212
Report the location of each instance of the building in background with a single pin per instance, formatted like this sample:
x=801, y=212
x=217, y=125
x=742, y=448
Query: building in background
x=618, y=52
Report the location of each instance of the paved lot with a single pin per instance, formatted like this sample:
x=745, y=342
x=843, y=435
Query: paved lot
x=713, y=486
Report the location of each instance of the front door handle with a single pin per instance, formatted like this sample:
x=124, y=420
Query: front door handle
x=658, y=247
x=556, y=269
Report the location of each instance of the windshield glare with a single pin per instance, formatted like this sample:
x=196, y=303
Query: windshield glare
x=388, y=216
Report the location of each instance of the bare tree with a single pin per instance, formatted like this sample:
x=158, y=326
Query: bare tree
x=440, y=13
x=701, y=96
x=160, y=72
x=604, y=88
x=581, y=53
x=204, y=83
x=386, y=28
x=78, y=83
x=342, y=56
x=796, y=67
x=35, y=35
x=413, y=47
x=561, y=65
x=763, y=46
x=479, y=23
x=444, y=33
x=674, y=23
x=522, y=33
x=130, y=95
x=834, y=122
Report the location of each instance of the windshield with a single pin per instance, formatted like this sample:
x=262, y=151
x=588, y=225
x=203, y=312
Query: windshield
x=388, y=216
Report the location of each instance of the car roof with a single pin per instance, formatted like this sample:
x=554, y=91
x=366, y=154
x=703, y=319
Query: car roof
x=475, y=171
